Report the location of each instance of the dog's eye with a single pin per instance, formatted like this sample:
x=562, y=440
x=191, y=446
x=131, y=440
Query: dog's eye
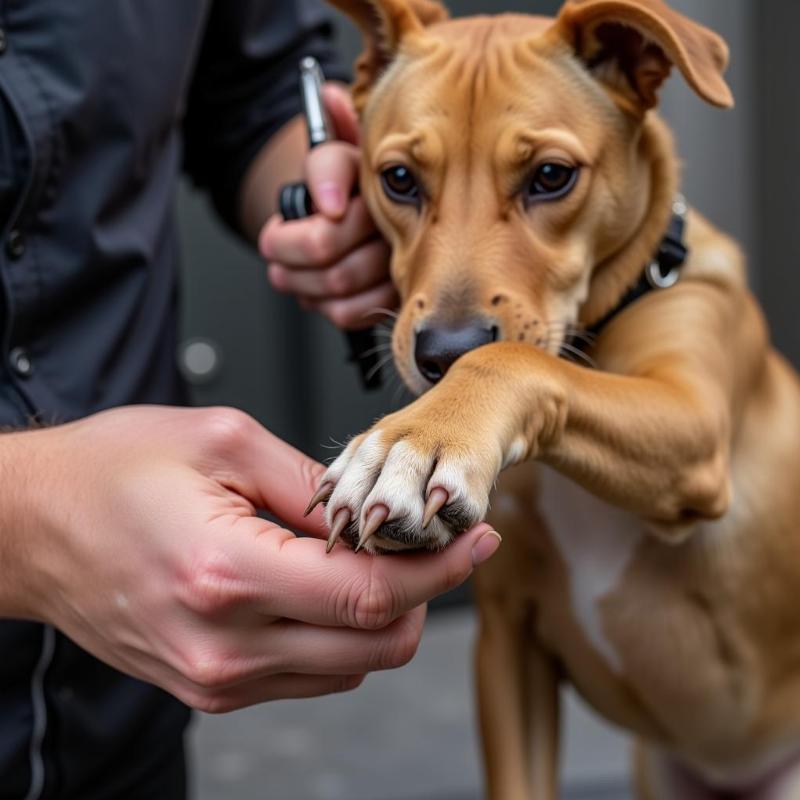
x=400, y=185
x=551, y=181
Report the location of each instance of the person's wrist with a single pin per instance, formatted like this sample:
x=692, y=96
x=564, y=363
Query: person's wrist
x=22, y=498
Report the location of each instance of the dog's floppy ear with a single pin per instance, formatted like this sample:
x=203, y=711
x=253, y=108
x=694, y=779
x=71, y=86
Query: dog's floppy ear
x=631, y=46
x=384, y=25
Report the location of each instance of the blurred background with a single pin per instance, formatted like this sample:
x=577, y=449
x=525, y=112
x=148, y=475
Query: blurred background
x=410, y=735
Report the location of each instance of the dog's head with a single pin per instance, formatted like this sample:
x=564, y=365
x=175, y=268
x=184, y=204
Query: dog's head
x=512, y=163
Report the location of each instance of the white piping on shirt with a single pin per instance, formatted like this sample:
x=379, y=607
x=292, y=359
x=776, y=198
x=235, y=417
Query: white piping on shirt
x=40, y=713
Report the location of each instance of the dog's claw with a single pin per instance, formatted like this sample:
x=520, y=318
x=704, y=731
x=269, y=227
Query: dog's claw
x=437, y=500
x=322, y=495
x=340, y=521
x=376, y=517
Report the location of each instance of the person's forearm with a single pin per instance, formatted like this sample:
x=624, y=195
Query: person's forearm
x=279, y=162
x=17, y=475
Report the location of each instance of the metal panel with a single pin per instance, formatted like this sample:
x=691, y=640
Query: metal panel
x=776, y=169
x=716, y=145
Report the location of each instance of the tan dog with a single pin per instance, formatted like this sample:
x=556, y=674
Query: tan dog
x=651, y=552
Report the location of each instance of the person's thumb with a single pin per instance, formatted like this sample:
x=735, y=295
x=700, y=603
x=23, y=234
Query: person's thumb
x=275, y=477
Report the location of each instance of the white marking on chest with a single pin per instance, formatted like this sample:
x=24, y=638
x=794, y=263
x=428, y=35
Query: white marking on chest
x=597, y=542
x=516, y=452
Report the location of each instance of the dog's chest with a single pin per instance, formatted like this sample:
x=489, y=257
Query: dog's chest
x=597, y=543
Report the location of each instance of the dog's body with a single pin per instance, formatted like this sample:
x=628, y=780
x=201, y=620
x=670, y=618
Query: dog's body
x=651, y=552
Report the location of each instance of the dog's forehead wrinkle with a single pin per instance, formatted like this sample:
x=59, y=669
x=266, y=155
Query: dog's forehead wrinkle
x=511, y=26
x=470, y=91
x=426, y=147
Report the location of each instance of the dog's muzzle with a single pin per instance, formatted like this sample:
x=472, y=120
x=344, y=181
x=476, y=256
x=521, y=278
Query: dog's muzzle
x=437, y=348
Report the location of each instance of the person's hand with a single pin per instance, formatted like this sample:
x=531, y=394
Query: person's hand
x=137, y=536
x=335, y=262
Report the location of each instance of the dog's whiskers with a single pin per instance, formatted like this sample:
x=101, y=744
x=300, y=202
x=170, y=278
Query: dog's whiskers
x=377, y=368
x=384, y=330
x=572, y=352
x=570, y=330
x=581, y=335
x=382, y=347
x=400, y=388
x=336, y=445
x=547, y=342
x=386, y=312
x=397, y=396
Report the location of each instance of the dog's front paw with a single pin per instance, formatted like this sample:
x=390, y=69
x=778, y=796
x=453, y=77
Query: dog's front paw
x=415, y=480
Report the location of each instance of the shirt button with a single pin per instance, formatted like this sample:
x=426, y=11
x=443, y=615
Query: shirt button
x=21, y=363
x=15, y=244
x=3, y=41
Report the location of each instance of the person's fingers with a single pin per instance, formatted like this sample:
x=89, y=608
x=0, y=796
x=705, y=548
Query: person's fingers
x=295, y=579
x=356, y=313
x=243, y=654
x=339, y=105
x=316, y=242
x=336, y=651
x=360, y=270
x=206, y=686
x=331, y=172
x=275, y=687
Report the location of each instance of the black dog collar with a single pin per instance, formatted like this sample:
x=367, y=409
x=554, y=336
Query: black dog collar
x=663, y=272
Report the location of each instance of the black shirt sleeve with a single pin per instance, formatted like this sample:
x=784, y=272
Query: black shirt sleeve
x=246, y=86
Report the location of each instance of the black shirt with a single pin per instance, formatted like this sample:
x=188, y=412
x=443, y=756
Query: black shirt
x=101, y=104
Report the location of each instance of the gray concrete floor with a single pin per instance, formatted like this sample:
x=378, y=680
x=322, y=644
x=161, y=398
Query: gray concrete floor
x=404, y=735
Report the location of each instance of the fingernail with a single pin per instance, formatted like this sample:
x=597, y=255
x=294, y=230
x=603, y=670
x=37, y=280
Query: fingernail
x=486, y=547
x=275, y=276
x=331, y=199
x=264, y=244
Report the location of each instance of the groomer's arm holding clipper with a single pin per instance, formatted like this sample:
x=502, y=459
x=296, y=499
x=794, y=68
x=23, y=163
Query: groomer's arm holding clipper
x=334, y=261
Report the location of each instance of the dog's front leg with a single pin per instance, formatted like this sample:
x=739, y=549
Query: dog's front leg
x=650, y=433
x=517, y=680
x=424, y=474
x=653, y=429
x=517, y=689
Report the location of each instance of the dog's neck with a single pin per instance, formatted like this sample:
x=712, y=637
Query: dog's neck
x=618, y=273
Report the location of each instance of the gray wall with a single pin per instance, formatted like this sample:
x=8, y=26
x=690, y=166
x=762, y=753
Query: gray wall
x=716, y=146
x=775, y=167
x=288, y=369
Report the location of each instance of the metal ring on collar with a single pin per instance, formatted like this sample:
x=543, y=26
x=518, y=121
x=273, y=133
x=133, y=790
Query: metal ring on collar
x=658, y=280
x=679, y=206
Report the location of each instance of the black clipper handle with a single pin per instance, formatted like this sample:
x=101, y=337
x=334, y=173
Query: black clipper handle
x=295, y=203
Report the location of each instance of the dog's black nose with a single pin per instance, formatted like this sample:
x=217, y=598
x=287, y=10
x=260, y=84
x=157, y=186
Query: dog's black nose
x=436, y=349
